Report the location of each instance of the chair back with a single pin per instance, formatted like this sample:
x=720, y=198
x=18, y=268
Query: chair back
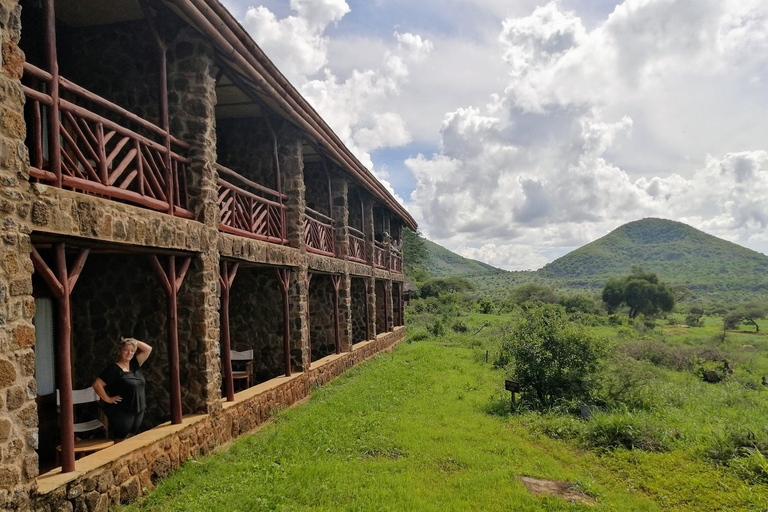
x=80, y=396
x=245, y=355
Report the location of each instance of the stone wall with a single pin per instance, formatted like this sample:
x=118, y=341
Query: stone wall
x=321, y=316
x=381, y=311
x=256, y=320
x=131, y=475
x=358, y=310
x=245, y=146
x=120, y=295
x=317, y=185
x=18, y=414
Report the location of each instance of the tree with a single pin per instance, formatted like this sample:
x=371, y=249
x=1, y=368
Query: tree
x=442, y=285
x=532, y=292
x=641, y=291
x=749, y=313
x=551, y=358
x=415, y=251
x=693, y=318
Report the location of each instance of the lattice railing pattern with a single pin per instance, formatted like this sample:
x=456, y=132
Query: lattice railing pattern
x=249, y=209
x=396, y=261
x=380, y=254
x=319, y=233
x=357, y=246
x=101, y=156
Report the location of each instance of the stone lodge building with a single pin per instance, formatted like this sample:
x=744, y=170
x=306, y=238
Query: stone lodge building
x=161, y=179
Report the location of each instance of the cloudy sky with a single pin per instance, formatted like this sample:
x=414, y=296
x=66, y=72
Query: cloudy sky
x=515, y=132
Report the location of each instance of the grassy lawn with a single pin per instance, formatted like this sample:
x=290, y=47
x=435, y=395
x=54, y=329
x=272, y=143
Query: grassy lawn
x=426, y=428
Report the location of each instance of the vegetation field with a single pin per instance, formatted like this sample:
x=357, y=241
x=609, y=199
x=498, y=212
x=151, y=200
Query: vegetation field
x=429, y=427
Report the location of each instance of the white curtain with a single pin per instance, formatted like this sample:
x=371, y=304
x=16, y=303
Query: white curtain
x=44, y=357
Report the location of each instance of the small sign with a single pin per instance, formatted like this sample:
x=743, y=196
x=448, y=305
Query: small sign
x=512, y=385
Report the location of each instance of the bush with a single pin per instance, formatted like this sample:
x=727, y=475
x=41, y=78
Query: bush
x=627, y=382
x=612, y=431
x=459, y=326
x=551, y=358
x=437, y=329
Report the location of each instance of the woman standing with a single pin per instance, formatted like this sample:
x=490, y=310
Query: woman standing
x=121, y=387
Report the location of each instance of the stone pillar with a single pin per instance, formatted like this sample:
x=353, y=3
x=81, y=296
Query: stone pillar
x=368, y=228
x=191, y=102
x=289, y=143
x=18, y=410
x=345, y=313
x=340, y=213
x=390, y=309
x=298, y=297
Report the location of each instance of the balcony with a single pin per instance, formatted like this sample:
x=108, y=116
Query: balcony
x=249, y=209
x=319, y=233
x=395, y=260
x=99, y=155
x=380, y=256
x=357, y=246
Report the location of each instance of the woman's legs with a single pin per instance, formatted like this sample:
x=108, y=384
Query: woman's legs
x=121, y=425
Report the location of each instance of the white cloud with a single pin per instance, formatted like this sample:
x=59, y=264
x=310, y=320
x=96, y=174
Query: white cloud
x=297, y=42
x=536, y=167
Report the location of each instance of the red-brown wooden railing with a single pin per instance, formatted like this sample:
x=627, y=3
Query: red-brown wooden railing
x=319, y=233
x=380, y=254
x=357, y=245
x=100, y=156
x=249, y=209
x=395, y=260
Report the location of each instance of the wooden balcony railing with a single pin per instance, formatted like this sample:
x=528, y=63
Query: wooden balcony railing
x=380, y=256
x=98, y=155
x=319, y=233
x=357, y=245
x=395, y=260
x=249, y=209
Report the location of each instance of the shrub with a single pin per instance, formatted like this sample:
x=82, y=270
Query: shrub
x=551, y=358
x=459, y=326
x=437, y=329
x=627, y=382
x=485, y=306
x=611, y=431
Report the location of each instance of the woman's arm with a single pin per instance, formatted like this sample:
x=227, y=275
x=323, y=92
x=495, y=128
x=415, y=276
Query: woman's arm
x=142, y=352
x=98, y=386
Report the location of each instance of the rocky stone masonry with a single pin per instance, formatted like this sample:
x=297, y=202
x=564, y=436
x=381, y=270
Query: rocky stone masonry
x=358, y=310
x=321, y=321
x=133, y=474
x=382, y=319
x=256, y=320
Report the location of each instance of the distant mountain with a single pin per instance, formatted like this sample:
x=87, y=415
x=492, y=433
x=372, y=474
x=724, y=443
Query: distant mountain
x=712, y=268
x=443, y=263
x=677, y=252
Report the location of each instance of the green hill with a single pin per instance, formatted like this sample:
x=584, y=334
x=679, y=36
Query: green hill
x=677, y=252
x=443, y=263
x=712, y=268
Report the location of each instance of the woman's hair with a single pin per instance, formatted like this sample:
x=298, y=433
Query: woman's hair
x=127, y=341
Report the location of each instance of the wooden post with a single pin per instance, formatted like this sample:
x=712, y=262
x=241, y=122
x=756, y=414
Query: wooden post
x=61, y=284
x=336, y=280
x=226, y=278
x=283, y=277
x=54, y=143
x=172, y=281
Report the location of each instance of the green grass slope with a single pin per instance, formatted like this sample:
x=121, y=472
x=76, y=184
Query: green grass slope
x=441, y=262
x=677, y=252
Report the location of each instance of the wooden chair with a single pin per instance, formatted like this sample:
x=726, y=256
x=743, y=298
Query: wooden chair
x=243, y=376
x=86, y=446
